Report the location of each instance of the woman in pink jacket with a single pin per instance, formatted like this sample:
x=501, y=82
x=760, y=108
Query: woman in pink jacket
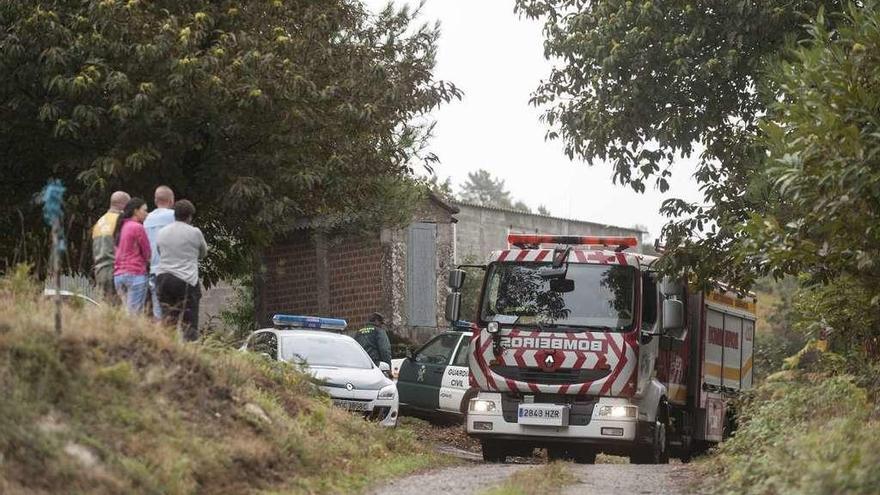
x=131, y=265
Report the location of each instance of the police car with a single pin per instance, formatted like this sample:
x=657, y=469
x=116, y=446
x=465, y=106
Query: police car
x=433, y=382
x=341, y=366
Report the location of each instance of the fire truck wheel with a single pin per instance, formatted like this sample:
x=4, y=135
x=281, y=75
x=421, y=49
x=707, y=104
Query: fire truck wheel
x=493, y=451
x=557, y=453
x=583, y=455
x=658, y=451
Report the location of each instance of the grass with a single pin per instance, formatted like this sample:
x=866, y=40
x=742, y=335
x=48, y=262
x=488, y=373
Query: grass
x=546, y=479
x=116, y=405
x=801, y=432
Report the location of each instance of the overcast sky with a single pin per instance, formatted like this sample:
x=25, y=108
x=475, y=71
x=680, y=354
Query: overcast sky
x=497, y=59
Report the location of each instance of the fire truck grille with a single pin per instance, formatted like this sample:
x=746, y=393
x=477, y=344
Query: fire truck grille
x=559, y=377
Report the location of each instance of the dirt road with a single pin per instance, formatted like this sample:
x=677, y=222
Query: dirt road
x=599, y=479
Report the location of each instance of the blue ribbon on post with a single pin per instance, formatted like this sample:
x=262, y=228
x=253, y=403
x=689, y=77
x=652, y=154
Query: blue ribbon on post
x=52, y=198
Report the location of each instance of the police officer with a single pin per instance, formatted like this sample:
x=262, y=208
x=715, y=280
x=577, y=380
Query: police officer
x=374, y=339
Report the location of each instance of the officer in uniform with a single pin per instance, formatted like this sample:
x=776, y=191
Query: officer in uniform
x=374, y=339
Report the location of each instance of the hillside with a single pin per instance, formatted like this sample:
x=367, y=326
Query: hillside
x=116, y=405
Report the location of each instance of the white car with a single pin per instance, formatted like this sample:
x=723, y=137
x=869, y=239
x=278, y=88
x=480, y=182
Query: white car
x=341, y=366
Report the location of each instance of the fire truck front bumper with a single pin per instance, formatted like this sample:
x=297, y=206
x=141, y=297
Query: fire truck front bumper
x=607, y=421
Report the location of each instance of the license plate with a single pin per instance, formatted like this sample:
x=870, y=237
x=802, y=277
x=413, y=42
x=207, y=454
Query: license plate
x=543, y=415
x=351, y=405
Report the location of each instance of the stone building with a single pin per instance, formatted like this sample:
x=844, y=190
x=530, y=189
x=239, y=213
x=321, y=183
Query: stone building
x=483, y=229
x=399, y=272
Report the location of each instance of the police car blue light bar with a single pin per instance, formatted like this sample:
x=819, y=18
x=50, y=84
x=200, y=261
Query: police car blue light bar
x=314, y=322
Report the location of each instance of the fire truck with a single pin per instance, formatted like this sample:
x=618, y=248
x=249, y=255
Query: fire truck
x=580, y=346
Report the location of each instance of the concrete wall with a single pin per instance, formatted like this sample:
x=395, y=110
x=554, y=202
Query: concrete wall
x=481, y=230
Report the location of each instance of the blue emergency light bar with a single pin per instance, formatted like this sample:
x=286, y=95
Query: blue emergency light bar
x=314, y=322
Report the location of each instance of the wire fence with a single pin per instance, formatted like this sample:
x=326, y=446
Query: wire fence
x=78, y=284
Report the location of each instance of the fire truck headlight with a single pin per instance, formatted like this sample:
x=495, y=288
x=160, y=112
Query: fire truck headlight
x=618, y=411
x=481, y=406
x=492, y=327
x=388, y=392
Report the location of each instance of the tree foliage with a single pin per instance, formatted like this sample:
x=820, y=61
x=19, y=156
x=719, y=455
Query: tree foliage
x=481, y=188
x=260, y=112
x=823, y=137
x=640, y=84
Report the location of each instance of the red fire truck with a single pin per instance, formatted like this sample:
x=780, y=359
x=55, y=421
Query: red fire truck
x=581, y=347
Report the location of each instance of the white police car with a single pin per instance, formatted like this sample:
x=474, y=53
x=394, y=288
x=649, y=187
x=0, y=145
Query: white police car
x=342, y=367
x=433, y=382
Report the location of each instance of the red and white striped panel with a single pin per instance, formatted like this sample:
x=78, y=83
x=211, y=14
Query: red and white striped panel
x=617, y=351
x=600, y=257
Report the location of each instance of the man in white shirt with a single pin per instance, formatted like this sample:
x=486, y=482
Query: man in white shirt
x=157, y=219
x=180, y=247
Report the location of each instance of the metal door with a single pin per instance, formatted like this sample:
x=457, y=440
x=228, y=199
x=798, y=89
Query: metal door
x=421, y=275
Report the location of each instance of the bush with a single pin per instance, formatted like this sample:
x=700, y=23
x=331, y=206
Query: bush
x=810, y=434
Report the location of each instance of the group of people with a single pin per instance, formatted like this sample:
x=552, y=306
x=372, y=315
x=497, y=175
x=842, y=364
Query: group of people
x=139, y=252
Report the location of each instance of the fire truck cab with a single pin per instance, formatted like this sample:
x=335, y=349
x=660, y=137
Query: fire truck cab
x=581, y=347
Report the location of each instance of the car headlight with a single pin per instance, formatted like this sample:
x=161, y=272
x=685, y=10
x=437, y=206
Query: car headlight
x=481, y=406
x=618, y=411
x=388, y=392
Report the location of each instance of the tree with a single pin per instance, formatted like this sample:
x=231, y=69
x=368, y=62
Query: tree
x=823, y=140
x=442, y=188
x=484, y=190
x=260, y=112
x=640, y=84
x=542, y=210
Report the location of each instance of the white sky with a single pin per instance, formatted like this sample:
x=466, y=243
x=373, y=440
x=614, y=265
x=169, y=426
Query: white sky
x=497, y=59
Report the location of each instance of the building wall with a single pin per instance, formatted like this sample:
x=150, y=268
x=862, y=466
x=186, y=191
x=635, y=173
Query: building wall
x=354, y=275
x=319, y=276
x=481, y=230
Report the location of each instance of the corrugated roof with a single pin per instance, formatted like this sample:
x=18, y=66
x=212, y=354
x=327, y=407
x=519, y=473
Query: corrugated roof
x=521, y=212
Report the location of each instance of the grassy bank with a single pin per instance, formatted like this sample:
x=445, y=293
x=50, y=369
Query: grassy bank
x=803, y=432
x=116, y=405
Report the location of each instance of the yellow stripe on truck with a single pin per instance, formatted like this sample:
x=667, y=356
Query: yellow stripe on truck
x=748, y=305
x=714, y=370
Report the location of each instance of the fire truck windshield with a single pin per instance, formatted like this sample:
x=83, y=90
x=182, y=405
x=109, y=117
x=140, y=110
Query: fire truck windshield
x=602, y=298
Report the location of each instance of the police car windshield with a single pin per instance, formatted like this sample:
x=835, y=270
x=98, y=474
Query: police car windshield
x=321, y=350
x=602, y=298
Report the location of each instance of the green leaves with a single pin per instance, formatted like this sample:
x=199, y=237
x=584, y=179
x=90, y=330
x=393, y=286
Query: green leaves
x=259, y=112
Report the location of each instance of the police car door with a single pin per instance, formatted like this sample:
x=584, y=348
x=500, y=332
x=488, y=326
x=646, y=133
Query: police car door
x=455, y=379
x=422, y=375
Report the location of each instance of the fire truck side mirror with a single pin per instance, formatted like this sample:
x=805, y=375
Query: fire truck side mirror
x=453, y=306
x=670, y=287
x=673, y=317
x=456, y=280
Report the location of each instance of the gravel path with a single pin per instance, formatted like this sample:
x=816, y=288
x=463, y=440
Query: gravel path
x=598, y=479
x=603, y=479
x=463, y=480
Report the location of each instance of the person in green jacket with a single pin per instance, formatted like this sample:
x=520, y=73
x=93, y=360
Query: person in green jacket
x=374, y=339
x=104, y=246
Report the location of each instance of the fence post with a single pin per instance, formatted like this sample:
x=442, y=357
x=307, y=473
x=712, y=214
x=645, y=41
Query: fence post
x=53, y=199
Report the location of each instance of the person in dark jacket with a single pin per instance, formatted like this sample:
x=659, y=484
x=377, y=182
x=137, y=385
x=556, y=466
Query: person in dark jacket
x=374, y=339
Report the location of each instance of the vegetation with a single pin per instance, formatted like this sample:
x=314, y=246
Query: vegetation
x=808, y=431
x=779, y=98
x=260, y=112
x=481, y=188
x=116, y=405
x=547, y=479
